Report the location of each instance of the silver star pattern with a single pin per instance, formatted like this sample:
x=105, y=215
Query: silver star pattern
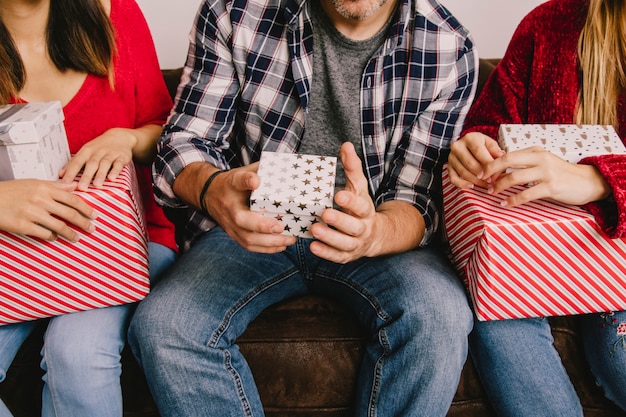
x=295, y=189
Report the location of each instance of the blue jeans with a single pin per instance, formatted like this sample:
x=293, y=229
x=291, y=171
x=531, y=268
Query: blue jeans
x=412, y=305
x=81, y=354
x=523, y=374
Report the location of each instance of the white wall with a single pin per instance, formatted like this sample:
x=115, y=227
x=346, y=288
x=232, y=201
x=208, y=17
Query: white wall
x=491, y=22
x=170, y=22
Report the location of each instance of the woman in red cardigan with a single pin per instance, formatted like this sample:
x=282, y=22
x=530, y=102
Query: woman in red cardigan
x=566, y=63
x=97, y=58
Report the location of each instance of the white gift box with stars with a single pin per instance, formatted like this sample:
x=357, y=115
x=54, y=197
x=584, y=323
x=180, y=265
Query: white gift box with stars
x=295, y=189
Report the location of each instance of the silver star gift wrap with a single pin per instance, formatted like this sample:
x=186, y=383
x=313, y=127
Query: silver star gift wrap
x=569, y=141
x=295, y=189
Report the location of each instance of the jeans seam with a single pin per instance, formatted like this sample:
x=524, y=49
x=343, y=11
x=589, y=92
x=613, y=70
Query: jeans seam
x=231, y=312
x=238, y=383
x=371, y=300
x=383, y=341
x=224, y=325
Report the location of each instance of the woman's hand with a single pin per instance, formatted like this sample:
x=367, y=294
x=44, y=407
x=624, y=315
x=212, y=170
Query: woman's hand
x=101, y=158
x=468, y=157
x=43, y=209
x=548, y=176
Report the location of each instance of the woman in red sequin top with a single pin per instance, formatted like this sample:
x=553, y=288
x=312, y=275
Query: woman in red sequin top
x=566, y=63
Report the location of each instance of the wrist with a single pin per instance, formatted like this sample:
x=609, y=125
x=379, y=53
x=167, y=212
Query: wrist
x=599, y=187
x=205, y=188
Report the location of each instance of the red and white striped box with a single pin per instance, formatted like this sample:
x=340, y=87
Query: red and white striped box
x=542, y=258
x=104, y=268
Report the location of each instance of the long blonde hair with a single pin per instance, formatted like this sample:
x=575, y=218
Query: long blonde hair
x=602, y=55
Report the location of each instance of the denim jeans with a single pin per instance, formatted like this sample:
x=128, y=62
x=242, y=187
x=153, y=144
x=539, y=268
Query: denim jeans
x=81, y=354
x=412, y=305
x=522, y=372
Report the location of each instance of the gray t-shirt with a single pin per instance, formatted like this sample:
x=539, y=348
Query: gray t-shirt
x=334, y=115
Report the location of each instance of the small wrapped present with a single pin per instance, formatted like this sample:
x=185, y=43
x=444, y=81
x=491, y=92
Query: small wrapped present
x=542, y=258
x=295, y=189
x=33, y=143
x=107, y=267
x=570, y=142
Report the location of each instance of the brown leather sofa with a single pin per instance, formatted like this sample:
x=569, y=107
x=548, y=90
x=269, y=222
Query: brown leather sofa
x=304, y=354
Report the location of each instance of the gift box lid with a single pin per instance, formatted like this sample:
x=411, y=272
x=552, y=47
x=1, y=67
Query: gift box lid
x=29, y=122
x=294, y=183
x=569, y=141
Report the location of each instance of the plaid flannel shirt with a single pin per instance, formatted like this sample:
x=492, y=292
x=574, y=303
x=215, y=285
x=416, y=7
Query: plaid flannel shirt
x=246, y=84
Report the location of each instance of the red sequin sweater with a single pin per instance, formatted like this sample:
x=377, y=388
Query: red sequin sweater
x=537, y=82
x=140, y=97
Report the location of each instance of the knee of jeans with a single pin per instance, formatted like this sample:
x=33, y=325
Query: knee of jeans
x=136, y=330
x=434, y=320
x=68, y=357
x=148, y=331
x=83, y=349
x=443, y=322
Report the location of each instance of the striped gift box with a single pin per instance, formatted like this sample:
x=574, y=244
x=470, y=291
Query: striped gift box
x=104, y=268
x=539, y=259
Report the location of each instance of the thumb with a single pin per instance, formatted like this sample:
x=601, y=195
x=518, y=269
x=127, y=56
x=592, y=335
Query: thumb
x=493, y=148
x=246, y=177
x=355, y=178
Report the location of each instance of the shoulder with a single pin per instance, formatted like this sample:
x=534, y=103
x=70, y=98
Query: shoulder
x=433, y=29
x=557, y=13
x=555, y=22
x=106, y=5
x=124, y=11
x=437, y=14
x=133, y=36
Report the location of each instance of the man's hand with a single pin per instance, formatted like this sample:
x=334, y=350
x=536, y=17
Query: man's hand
x=43, y=209
x=468, y=157
x=227, y=202
x=360, y=229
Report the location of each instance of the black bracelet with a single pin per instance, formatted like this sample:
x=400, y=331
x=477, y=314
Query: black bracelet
x=205, y=187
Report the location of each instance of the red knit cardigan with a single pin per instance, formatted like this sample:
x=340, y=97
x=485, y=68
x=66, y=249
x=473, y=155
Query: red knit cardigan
x=537, y=82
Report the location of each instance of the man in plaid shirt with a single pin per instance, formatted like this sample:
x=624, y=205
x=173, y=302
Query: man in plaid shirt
x=385, y=84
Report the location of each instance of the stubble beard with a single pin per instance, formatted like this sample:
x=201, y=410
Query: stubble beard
x=361, y=10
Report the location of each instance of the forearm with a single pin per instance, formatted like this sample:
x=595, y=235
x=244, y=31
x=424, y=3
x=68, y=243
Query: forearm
x=145, y=139
x=399, y=228
x=189, y=182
